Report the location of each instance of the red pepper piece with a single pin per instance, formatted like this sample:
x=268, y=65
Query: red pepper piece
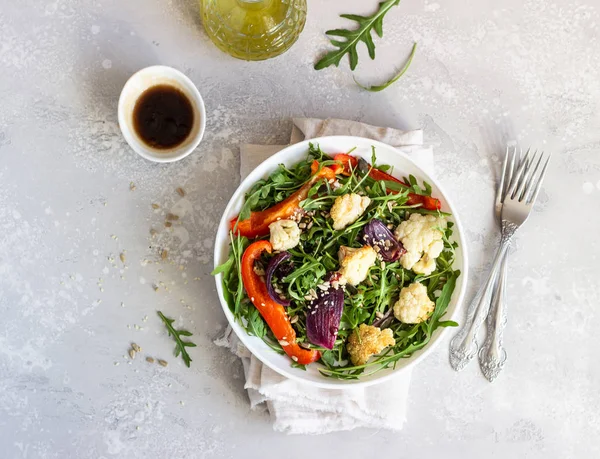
x=274, y=314
x=377, y=174
x=349, y=163
x=258, y=223
x=427, y=202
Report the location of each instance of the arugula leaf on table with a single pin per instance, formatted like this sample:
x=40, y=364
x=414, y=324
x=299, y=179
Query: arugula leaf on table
x=177, y=334
x=381, y=87
x=351, y=38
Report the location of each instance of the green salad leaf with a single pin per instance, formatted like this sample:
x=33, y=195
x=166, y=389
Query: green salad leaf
x=391, y=81
x=347, y=40
x=180, y=344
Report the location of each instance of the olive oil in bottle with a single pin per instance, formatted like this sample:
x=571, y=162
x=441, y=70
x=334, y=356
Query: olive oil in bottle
x=253, y=29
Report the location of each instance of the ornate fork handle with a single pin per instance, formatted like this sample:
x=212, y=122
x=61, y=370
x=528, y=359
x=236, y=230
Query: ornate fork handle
x=492, y=355
x=463, y=346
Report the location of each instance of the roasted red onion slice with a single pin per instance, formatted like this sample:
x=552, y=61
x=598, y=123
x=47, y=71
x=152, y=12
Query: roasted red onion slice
x=271, y=268
x=324, y=315
x=378, y=236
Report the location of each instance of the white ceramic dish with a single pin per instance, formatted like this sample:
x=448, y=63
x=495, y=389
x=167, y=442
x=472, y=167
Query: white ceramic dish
x=289, y=156
x=135, y=86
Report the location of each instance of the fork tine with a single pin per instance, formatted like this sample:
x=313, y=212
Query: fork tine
x=538, y=185
x=500, y=189
x=529, y=186
x=528, y=169
x=517, y=177
x=508, y=179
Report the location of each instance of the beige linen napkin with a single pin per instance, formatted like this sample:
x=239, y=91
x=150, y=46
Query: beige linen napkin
x=297, y=408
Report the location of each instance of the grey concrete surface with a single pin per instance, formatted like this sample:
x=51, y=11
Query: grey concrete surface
x=485, y=72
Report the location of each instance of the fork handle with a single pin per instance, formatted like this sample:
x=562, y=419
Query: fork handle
x=463, y=346
x=492, y=355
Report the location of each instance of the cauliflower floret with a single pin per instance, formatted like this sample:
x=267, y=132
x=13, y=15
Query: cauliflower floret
x=285, y=234
x=414, y=305
x=347, y=209
x=367, y=341
x=421, y=237
x=355, y=263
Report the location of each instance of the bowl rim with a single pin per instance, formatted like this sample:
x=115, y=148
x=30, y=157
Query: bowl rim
x=280, y=157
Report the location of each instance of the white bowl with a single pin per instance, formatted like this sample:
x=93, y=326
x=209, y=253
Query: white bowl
x=289, y=156
x=135, y=86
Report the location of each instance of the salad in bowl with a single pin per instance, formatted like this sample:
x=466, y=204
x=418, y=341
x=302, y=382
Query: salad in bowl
x=336, y=265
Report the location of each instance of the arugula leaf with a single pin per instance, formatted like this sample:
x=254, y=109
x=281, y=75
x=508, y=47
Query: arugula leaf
x=225, y=267
x=381, y=87
x=256, y=324
x=298, y=365
x=180, y=345
x=442, y=302
x=351, y=38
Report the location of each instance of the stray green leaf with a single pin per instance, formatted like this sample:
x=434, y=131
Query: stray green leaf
x=388, y=83
x=177, y=334
x=352, y=37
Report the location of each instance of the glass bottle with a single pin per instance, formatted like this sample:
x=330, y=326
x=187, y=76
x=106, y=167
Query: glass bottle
x=253, y=29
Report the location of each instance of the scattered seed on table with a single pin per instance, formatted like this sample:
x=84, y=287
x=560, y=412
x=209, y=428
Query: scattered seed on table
x=172, y=216
x=132, y=353
x=162, y=363
x=149, y=360
x=180, y=192
x=132, y=186
x=135, y=347
x=168, y=224
x=153, y=232
x=164, y=254
x=122, y=257
x=155, y=206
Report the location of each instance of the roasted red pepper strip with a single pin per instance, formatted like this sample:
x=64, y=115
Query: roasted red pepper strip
x=348, y=162
x=376, y=174
x=274, y=314
x=258, y=223
x=427, y=202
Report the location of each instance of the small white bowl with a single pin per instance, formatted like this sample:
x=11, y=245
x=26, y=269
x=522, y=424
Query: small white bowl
x=290, y=156
x=135, y=86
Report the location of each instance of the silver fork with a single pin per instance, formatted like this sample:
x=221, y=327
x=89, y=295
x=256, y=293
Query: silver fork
x=522, y=191
x=492, y=355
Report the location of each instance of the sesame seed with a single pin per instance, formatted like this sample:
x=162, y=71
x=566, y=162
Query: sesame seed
x=294, y=358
